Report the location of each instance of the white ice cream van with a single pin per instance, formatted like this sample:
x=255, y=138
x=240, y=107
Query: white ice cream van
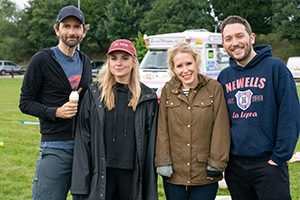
x=154, y=67
x=293, y=64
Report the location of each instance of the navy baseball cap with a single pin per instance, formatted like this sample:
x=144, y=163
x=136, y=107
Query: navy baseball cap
x=69, y=11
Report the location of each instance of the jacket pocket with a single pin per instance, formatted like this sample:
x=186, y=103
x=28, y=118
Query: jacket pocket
x=203, y=103
x=198, y=170
x=175, y=116
x=173, y=103
x=204, y=112
x=201, y=158
x=250, y=141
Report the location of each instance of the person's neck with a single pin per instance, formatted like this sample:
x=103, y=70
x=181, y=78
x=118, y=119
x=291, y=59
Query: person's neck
x=124, y=81
x=69, y=51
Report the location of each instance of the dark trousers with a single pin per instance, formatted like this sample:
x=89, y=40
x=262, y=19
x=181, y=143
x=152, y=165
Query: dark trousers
x=182, y=192
x=52, y=179
x=257, y=180
x=118, y=184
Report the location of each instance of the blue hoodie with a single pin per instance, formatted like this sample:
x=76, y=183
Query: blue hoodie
x=263, y=107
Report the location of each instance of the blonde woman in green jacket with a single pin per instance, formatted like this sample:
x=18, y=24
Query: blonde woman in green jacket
x=193, y=135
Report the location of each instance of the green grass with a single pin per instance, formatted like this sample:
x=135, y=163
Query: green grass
x=21, y=148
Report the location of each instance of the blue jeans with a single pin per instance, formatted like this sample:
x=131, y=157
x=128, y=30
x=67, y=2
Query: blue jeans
x=255, y=180
x=52, y=178
x=183, y=192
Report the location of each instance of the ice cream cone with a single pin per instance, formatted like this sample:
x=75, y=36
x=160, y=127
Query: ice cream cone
x=74, y=97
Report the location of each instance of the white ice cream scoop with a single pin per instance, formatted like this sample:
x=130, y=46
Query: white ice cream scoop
x=74, y=96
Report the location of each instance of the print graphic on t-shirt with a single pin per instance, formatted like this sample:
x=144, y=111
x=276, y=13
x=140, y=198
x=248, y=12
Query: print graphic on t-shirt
x=74, y=80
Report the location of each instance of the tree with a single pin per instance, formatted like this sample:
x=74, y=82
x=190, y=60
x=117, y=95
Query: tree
x=167, y=16
x=95, y=15
x=145, y=4
x=41, y=15
x=10, y=31
x=8, y=11
x=286, y=19
x=123, y=19
x=257, y=12
x=140, y=46
x=104, y=19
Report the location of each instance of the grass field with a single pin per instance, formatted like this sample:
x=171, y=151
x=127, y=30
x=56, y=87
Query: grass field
x=20, y=151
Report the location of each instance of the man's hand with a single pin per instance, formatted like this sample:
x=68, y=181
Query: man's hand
x=68, y=110
x=271, y=162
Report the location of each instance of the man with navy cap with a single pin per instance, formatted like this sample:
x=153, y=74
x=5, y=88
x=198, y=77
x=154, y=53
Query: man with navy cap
x=52, y=74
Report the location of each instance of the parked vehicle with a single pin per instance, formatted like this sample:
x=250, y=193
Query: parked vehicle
x=7, y=66
x=293, y=64
x=154, y=67
x=96, y=66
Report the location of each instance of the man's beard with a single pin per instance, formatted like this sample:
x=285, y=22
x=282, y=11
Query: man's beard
x=73, y=43
x=246, y=54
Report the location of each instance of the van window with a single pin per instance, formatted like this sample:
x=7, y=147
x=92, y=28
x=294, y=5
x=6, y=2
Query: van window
x=217, y=58
x=155, y=59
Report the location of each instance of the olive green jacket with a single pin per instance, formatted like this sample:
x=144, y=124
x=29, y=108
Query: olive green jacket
x=193, y=131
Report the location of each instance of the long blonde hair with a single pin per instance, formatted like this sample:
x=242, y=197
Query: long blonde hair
x=107, y=82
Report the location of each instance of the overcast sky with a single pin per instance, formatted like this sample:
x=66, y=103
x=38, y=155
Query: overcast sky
x=20, y=3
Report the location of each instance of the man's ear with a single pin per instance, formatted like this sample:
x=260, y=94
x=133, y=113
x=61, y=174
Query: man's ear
x=223, y=46
x=252, y=37
x=56, y=29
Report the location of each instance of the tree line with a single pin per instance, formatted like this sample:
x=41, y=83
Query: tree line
x=25, y=31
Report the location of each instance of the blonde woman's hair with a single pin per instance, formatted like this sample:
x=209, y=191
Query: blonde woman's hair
x=182, y=47
x=107, y=82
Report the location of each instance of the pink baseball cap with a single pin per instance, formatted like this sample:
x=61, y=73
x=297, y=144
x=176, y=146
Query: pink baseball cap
x=122, y=45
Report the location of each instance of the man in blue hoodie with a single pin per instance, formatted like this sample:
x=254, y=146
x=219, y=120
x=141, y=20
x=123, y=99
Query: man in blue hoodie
x=265, y=116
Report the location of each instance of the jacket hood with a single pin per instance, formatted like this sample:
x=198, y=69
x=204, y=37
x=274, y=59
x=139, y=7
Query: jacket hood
x=262, y=52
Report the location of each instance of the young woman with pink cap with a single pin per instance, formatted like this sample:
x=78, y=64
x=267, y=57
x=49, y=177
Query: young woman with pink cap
x=116, y=132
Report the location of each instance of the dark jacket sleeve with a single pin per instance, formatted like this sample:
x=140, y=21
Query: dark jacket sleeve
x=31, y=87
x=163, y=155
x=81, y=176
x=150, y=181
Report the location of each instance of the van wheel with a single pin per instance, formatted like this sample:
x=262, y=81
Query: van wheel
x=3, y=73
